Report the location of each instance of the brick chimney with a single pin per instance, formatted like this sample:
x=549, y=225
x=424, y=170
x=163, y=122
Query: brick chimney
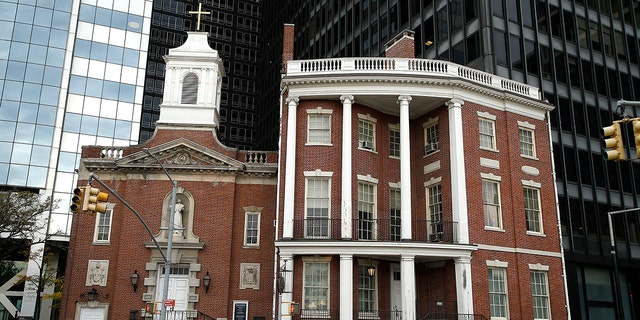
x=401, y=46
x=287, y=44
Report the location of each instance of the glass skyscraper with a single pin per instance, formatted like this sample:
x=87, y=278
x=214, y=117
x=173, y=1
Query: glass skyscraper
x=71, y=74
x=582, y=53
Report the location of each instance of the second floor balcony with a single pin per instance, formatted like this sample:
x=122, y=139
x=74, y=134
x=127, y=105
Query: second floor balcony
x=364, y=229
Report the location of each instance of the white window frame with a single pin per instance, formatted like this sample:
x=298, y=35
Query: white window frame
x=363, y=276
x=487, y=139
x=395, y=207
x=532, y=186
x=433, y=193
x=306, y=302
x=540, y=298
x=249, y=228
x=431, y=136
x=311, y=178
x=100, y=225
x=324, y=126
x=494, y=181
x=371, y=222
x=527, y=144
x=366, y=135
x=394, y=141
x=501, y=268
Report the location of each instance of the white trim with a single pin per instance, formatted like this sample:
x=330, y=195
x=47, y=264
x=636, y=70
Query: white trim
x=527, y=125
x=531, y=184
x=367, y=178
x=319, y=110
x=394, y=185
x=367, y=117
x=497, y=263
x=490, y=176
x=490, y=163
x=486, y=115
x=394, y=126
x=432, y=181
x=244, y=242
x=538, y=267
x=318, y=173
x=430, y=122
x=431, y=167
x=519, y=250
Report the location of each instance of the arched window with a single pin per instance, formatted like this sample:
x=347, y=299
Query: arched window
x=190, y=89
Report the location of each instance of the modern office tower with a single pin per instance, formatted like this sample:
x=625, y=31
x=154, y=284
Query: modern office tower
x=582, y=54
x=233, y=28
x=71, y=74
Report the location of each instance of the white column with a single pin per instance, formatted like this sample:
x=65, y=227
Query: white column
x=290, y=175
x=408, y=285
x=405, y=169
x=346, y=287
x=464, y=293
x=347, y=204
x=286, y=263
x=458, y=175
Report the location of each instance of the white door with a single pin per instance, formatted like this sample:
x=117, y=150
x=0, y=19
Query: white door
x=396, y=292
x=92, y=314
x=178, y=290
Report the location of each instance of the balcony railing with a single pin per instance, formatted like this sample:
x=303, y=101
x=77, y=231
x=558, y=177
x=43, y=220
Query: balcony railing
x=375, y=230
x=307, y=314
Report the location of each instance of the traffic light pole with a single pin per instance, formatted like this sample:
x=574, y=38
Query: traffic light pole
x=616, y=276
x=167, y=257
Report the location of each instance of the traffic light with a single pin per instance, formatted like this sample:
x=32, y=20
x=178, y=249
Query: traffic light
x=79, y=203
x=96, y=199
x=613, y=141
x=636, y=134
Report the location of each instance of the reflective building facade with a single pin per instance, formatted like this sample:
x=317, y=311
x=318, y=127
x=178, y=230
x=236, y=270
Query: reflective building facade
x=71, y=74
x=582, y=54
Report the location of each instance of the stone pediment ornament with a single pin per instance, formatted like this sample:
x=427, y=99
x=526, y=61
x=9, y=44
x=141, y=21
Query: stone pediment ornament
x=181, y=154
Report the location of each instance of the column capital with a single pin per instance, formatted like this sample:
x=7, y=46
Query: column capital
x=463, y=260
x=294, y=99
x=455, y=102
x=346, y=97
x=346, y=256
x=404, y=98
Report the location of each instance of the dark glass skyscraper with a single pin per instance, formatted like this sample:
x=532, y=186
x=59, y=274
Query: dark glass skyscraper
x=583, y=54
x=234, y=30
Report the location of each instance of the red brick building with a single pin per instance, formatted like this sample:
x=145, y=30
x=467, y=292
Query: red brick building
x=403, y=189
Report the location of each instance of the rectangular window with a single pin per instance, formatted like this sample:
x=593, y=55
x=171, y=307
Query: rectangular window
x=491, y=203
x=394, y=204
x=367, y=292
x=527, y=143
x=319, y=129
x=366, y=134
x=498, y=293
x=434, y=198
x=252, y=229
x=487, y=134
x=317, y=214
x=103, y=226
x=540, y=294
x=316, y=288
x=394, y=143
x=532, y=210
x=366, y=211
x=431, y=139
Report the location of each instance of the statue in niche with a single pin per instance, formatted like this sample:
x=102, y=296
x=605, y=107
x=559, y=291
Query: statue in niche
x=177, y=220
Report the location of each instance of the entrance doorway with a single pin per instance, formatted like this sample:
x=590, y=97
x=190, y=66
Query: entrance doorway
x=396, y=292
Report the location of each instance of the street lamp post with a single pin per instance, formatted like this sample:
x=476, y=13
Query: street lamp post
x=616, y=276
x=167, y=260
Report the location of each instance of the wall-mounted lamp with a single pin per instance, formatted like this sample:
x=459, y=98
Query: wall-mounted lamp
x=206, y=280
x=92, y=295
x=135, y=278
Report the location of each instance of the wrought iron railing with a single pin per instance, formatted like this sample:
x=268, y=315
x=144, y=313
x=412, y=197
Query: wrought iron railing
x=307, y=314
x=375, y=230
x=453, y=316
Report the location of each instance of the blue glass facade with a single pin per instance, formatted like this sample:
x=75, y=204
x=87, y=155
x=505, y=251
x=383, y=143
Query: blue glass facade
x=33, y=38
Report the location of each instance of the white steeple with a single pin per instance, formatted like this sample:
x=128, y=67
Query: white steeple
x=193, y=81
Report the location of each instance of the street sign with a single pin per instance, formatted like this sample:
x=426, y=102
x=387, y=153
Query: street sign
x=170, y=303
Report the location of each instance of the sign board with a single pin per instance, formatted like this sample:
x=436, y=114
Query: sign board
x=170, y=303
x=240, y=310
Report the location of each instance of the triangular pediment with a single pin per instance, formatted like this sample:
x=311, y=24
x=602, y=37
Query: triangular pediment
x=181, y=154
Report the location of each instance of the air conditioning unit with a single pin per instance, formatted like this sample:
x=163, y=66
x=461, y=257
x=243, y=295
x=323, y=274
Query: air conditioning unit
x=367, y=145
x=430, y=147
x=435, y=237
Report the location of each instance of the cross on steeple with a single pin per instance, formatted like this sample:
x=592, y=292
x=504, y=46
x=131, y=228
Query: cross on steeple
x=199, y=13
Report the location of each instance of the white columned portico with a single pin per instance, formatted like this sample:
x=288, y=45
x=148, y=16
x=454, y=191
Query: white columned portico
x=290, y=175
x=458, y=175
x=347, y=207
x=464, y=294
x=346, y=287
x=408, y=285
x=405, y=169
x=286, y=263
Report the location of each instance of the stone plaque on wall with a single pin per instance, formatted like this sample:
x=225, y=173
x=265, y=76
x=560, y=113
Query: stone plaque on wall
x=249, y=276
